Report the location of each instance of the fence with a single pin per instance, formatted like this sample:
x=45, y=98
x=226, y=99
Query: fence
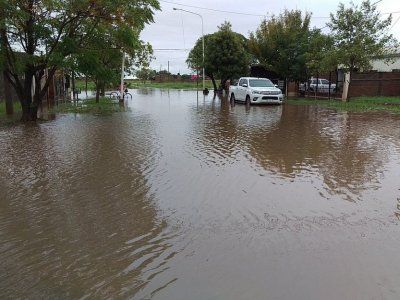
x=325, y=86
x=375, y=84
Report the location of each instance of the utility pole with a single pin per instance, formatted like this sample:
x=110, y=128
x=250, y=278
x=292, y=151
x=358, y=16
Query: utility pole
x=202, y=34
x=121, y=99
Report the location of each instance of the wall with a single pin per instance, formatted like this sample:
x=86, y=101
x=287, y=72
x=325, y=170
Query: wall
x=375, y=84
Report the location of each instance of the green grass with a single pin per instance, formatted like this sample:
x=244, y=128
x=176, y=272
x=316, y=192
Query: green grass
x=355, y=104
x=81, y=84
x=17, y=107
x=105, y=106
x=10, y=120
x=136, y=84
x=170, y=85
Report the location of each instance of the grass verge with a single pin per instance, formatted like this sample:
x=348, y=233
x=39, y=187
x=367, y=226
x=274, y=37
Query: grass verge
x=81, y=85
x=355, y=104
x=137, y=84
x=170, y=85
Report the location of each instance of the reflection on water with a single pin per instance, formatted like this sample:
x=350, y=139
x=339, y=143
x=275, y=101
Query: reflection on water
x=190, y=197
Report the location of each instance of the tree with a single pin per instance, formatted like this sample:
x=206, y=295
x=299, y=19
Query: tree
x=226, y=55
x=359, y=34
x=145, y=73
x=38, y=36
x=320, y=56
x=100, y=60
x=281, y=42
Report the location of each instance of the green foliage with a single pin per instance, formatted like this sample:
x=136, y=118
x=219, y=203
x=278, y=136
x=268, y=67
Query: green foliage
x=360, y=33
x=87, y=35
x=145, y=73
x=80, y=84
x=101, y=59
x=320, y=56
x=281, y=42
x=226, y=54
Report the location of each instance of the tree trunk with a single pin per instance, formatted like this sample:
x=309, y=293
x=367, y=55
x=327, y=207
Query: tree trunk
x=97, y=94
x=103, y=89
x=86, y=82
x=25, y=97
x=73, y=86
x=29, y=113
x=213, y=82
x=7, y=95
x=223, y=84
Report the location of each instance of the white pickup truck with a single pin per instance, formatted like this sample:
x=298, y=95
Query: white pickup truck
x=317, y=85
x=253, y=90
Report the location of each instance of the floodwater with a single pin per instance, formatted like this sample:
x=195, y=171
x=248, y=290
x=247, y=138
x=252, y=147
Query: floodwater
x=185, y=197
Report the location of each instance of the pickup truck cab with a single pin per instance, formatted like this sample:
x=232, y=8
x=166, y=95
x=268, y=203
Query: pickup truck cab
x=253, y=90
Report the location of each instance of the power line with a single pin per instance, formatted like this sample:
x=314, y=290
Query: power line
x=395, y=22
x=376, y=2
x=212, y=9
x=171, y=49
x=247, y=14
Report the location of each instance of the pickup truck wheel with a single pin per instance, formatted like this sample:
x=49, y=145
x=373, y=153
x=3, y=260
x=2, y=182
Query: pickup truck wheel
x=248, y=100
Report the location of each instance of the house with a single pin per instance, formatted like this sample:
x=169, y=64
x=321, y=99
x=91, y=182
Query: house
x=379, y=64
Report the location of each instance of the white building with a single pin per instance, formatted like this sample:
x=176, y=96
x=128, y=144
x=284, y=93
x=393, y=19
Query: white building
x=381, y=65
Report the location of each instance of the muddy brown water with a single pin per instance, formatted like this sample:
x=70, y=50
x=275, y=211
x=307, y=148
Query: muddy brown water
x=182, y=197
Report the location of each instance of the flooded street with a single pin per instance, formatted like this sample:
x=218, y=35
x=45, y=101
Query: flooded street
x=185, y=197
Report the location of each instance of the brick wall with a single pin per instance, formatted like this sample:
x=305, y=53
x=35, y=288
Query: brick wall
x=375, y=84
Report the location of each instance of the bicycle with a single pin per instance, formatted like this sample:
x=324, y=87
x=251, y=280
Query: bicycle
x=117, y=95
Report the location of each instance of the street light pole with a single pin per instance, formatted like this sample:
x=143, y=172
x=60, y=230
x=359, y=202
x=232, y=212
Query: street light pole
x=202, y=34
x=121, y=99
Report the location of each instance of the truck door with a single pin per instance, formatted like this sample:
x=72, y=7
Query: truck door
x=242, y=89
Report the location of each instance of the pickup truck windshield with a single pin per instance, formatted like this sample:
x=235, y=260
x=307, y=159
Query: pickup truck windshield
x=260, y=83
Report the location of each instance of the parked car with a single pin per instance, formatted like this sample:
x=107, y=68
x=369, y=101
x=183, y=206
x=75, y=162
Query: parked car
x=253, y=90
x=320, y=85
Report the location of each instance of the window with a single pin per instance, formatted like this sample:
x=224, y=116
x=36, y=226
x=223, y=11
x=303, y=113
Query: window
x=324, y=81
x=242, y=81
x=313, y=81
x=261, y=83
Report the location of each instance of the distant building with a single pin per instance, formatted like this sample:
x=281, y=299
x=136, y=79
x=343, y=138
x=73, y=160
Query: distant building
x=380, y=64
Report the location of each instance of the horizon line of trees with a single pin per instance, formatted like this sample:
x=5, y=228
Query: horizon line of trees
x=287, y=45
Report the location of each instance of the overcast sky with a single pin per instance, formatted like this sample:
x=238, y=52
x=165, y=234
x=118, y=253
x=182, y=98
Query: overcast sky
x=179, y=30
